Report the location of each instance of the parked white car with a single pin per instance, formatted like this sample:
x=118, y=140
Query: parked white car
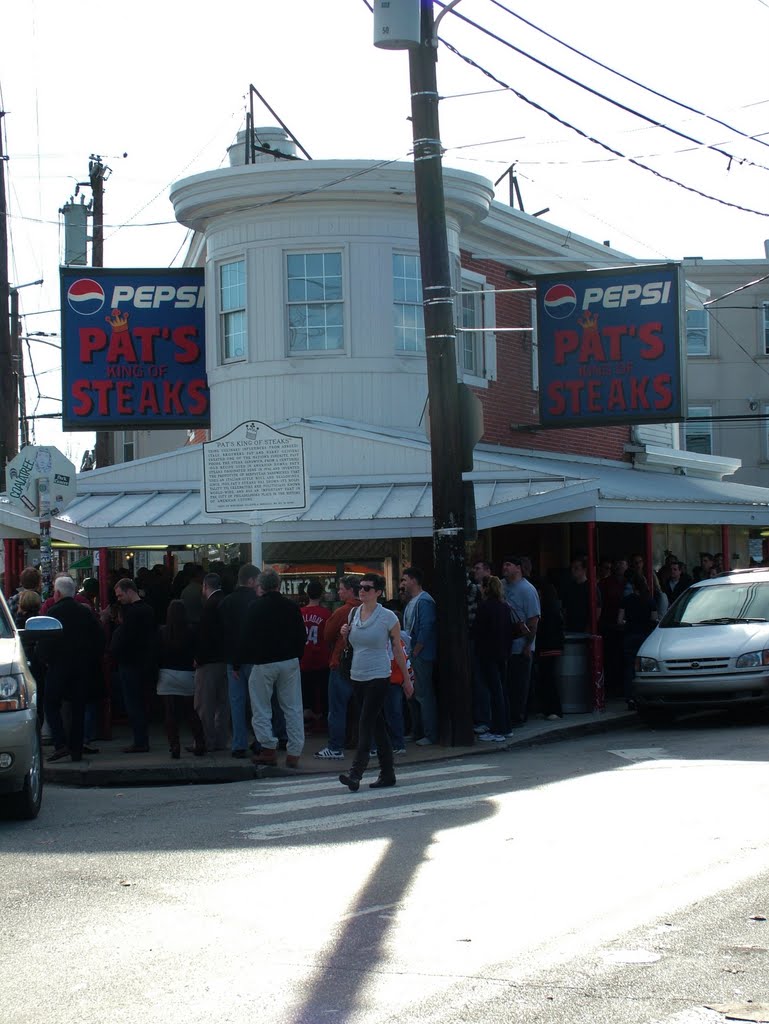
x=21, y=769
x=710, y=650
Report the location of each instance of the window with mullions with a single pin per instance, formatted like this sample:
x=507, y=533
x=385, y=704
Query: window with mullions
x=471, y=333
x=698, y=436
x=232, y=310
x=697, y=332
x=315, y=302
x=407, y=304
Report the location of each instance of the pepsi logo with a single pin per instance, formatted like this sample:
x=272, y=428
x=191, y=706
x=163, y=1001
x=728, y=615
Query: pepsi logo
x=560, y=301
x=85, y=296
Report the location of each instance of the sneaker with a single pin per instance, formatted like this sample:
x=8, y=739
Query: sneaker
x=480, y=730
x=399, y=750
x=329, y=754
x=425, y=742
x=554, y=718
x=491, y=737
x=372, y=752
x=58, y=754
x=509, y=735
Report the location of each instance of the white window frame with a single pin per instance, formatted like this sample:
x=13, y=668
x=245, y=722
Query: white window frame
x=339, y=251
x=485, y=340
x=691, y=431
x=414, y=306
x=534, y=346
x=228, y=312
x=128, y=440
x=693, y=330
x=765, y=327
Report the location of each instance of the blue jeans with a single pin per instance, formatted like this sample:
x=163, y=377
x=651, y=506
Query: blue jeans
x=424, y=697
x=339, y=694
x=393, y=712
x=237, y=687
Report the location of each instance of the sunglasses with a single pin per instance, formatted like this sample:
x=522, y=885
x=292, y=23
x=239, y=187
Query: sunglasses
x=367, y=587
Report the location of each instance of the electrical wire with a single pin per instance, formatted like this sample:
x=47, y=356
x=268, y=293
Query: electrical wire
x=627, y=78
x=744, y=161
x=597, y=142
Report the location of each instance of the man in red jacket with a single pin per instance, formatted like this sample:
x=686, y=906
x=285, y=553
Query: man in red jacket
x=314, y=663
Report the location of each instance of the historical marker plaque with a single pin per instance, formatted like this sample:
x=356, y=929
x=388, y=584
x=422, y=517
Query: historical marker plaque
x=254, y=468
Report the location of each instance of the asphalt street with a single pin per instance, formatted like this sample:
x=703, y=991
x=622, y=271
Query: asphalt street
x=617, y=877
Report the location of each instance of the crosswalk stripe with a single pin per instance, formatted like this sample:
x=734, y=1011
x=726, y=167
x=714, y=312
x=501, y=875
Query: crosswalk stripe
x=375, y=815
x=268, y=787
x=343, y=796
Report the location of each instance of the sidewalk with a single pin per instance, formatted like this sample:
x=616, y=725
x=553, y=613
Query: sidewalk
x=111, y=767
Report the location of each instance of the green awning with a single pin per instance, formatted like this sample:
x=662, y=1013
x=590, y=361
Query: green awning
x=83, y=563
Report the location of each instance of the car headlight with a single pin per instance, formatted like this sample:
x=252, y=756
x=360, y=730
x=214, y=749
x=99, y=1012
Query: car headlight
x=754, y=659
x=646, y=665
x=14, y=693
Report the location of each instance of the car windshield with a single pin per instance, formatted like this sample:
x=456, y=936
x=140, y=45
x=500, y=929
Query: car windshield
x=722, y=603
x=6, y=626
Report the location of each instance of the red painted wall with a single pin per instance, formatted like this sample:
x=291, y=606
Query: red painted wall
x=510, y=399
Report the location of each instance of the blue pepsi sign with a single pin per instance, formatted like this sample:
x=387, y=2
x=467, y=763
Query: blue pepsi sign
x=609, y=345
x=133, y=349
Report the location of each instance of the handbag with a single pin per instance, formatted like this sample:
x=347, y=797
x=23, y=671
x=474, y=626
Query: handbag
x=345, y=655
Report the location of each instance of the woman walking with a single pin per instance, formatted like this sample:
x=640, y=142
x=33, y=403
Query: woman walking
x=374, y=633
x=176, y=680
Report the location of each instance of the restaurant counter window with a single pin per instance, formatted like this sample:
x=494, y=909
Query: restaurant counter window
x=232, y=310
x=315, y=302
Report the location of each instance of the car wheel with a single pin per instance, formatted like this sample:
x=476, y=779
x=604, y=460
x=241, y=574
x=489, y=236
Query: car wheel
x=654, y=717
x=25, y=806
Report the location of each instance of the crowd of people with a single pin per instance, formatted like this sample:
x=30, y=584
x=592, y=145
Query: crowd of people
x=239, y=664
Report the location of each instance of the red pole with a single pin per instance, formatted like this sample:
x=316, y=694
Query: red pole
x=103, y=578
x=725, y=548
x=9, y=581
x=648, y=556
x=596, y=640
x=591, y=577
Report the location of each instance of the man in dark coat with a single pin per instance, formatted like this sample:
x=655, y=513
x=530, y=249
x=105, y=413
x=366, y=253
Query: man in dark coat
x=134, y=648
x=274, y=639
x=73, y=659
x=233, y=611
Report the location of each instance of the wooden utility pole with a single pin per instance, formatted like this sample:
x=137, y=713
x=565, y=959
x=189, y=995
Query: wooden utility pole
x=103, y=450
x=8, y=418
x=443, y=390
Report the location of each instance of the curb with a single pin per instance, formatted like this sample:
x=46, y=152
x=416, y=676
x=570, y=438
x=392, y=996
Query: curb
x=88, y=774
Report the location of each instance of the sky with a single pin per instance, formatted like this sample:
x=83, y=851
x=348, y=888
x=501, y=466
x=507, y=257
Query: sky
x=167, y=84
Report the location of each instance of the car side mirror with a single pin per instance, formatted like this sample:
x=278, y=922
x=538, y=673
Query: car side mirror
x=38, y=627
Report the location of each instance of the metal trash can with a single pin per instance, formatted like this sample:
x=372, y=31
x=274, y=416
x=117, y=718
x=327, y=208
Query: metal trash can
x=573, y=675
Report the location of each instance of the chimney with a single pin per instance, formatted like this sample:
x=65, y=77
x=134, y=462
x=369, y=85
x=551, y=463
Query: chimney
x=270, y=138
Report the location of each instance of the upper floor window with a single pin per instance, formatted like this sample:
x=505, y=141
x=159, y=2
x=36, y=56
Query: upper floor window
x=697, y=332
x=698, y=429
x=128, y=443
x=232, y=310
x=471, y=329
x=315, y=302
x=407, y=304
x=766, y=328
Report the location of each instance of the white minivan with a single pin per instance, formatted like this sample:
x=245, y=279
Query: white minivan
x=710, y=650
x=21, y=769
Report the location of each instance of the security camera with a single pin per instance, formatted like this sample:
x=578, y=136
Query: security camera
x=753, y=405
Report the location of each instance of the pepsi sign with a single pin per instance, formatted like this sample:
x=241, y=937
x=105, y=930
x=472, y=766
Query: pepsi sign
x=609, y=344
x=133, y=349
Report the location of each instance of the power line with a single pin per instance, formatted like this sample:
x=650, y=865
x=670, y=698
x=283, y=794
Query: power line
x=597, y=142
x=608, y=99
x=627, y=78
